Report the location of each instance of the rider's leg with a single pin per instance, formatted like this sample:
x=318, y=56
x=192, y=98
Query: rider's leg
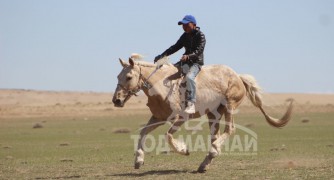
x=191, y=87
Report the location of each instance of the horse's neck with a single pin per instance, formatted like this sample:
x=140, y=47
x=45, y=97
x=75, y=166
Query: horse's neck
x=161, y=99
x=156, y=80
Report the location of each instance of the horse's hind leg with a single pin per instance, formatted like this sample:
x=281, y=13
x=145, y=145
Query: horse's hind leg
x=214, y=124
x=218, y=142
x=229, y=129
x=139, y=154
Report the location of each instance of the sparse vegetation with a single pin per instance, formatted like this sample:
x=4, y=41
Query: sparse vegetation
x=294, y=152
x=122, y=130
x=82, y=142
x=37, y=125
x=305, y=120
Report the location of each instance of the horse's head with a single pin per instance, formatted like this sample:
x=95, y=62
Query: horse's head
x=129, y=82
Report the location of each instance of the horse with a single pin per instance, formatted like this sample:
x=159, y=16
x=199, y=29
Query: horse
x=220, y=90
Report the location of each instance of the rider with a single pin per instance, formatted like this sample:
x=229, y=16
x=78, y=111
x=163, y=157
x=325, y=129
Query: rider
x=193, y=40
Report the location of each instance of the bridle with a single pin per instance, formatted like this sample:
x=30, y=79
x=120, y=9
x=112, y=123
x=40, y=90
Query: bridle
x=145, y=84
x=135, y=90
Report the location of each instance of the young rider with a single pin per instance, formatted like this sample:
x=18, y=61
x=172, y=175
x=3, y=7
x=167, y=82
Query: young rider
x=193, y=40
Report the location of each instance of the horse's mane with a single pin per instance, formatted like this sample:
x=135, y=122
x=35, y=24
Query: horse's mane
x=145, y=64
x=139, y=60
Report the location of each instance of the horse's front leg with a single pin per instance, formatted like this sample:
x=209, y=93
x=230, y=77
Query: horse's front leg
x=177, y=146
x=150, y=126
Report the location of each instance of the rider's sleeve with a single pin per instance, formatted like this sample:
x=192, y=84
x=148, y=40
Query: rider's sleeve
x=177, y=46
x=200, y=44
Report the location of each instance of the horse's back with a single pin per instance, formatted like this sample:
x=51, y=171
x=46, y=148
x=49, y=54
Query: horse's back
x=217, y=67
x=222, y=79
x=218, y=73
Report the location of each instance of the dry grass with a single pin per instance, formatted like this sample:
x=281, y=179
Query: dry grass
x=305, y=120
x=29, y=103
x=87, y=137
x=37, y=126
x=64, y=144
x=122, y=130
x=71, y=147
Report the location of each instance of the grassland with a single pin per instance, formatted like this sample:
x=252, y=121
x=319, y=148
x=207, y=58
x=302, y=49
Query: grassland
x=88, y=148
x=83, y=146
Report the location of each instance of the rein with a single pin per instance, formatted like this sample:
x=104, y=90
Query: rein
x=160, y=63
x=145, y=82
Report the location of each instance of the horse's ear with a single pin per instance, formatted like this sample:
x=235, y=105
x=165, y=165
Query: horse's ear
x=132, y=62
x=123, y=63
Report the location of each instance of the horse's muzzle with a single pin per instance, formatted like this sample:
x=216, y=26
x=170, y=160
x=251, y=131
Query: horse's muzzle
x=118, y=103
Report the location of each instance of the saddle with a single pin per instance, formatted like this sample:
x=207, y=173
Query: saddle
x=178, y=93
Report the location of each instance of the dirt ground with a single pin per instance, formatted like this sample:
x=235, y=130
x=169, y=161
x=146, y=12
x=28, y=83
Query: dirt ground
x=82, y=135
x=32, y=103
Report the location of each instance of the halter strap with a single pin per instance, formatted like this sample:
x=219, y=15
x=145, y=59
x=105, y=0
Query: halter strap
x=133, y=91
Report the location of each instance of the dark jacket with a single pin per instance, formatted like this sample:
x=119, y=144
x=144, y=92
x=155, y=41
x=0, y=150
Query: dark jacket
x=193, y=43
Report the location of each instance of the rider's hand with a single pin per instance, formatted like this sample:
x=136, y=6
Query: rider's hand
x=157, y=58
x=185, y=58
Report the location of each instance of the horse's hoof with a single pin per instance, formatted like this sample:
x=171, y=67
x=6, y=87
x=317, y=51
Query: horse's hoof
x=201, y=169
x=187, y=153
x=138, y=164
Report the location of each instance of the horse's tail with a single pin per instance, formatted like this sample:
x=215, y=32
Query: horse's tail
x=254, y=94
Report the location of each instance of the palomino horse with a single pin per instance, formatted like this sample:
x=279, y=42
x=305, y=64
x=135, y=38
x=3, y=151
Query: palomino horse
x=219, y=91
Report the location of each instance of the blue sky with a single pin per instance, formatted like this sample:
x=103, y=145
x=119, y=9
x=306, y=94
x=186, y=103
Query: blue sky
x=75, y=45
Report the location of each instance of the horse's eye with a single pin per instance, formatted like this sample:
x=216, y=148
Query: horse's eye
x=128, y=78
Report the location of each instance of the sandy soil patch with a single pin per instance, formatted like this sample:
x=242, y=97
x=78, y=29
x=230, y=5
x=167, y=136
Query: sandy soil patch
x=31, y=103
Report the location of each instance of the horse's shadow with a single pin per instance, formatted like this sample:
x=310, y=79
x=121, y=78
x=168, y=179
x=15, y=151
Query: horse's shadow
x=152, y=172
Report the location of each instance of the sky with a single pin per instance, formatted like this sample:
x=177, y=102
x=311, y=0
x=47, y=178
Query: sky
x=61, y=45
